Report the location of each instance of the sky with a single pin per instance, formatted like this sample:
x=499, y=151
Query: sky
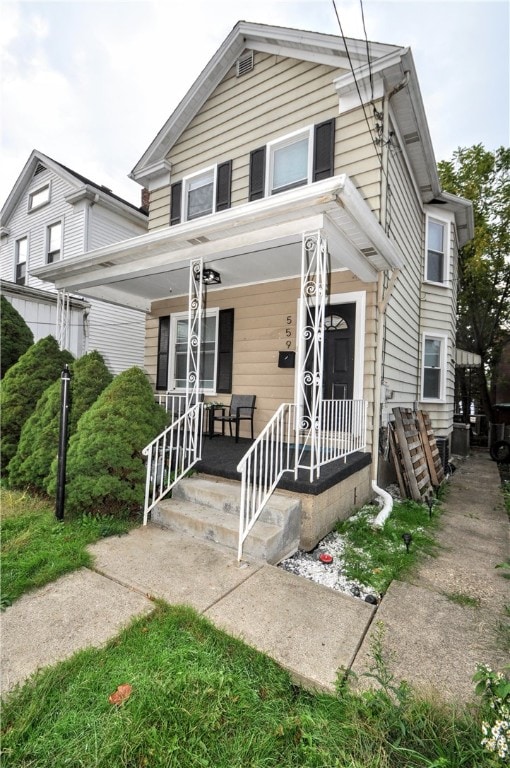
x=91, y=82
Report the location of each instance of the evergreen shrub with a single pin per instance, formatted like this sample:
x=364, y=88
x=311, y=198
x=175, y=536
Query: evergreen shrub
x=105, y=466
x=15, y=336
x=38, y=444
x=21, y=388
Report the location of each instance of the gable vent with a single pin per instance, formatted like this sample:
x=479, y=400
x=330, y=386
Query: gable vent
x=244, y=64
x=40, y=168
x=411, y=138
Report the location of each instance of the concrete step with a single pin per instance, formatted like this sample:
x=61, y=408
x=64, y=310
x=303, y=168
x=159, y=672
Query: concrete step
x=226, y=497
x=209, y=510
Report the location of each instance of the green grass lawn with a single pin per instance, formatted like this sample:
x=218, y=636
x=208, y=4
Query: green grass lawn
x=36, y=548
x=375, y=557
x=202, y=698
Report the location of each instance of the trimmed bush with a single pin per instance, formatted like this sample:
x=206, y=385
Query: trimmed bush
x=23, y=385
x=105, y=466
x=15, y=336
x=38, y=444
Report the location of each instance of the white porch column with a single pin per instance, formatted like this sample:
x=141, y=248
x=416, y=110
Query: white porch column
x=63, y=319
x=195, y=307
x=314, y=271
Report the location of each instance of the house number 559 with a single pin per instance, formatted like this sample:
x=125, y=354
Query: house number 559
x=288, y=332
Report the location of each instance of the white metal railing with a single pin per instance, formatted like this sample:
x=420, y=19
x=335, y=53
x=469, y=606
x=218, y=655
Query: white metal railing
x=171, y=455
x=281, y=447
x=262, y=467
x=344, y=429
x=174, y=405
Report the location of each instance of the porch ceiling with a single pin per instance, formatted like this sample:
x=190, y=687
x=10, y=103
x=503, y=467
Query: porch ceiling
x=252, y=243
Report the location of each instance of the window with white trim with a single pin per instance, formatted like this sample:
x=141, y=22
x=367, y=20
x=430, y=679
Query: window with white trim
x=54, y=242
x=436, y=261
x=434, y=367
x=39, y=197
x=199, y=194
x=289, y=162
x=179, y=335
x=21, y=261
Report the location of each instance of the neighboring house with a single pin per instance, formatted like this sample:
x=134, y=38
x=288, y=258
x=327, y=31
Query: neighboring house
x=328, y=248
x=53, y=215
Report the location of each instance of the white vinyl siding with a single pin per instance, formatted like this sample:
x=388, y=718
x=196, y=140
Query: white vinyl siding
x=401, y=351
x=117, y=333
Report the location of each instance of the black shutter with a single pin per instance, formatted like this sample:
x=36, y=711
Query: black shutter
x=225, y=350
x=257, y=173
x=175, y=203
x=324, y=150
x=223, y=179
x=163, y=351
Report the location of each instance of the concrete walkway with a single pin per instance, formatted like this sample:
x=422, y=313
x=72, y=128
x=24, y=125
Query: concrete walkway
x=309, y=629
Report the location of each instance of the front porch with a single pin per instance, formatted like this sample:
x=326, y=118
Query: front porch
x=343, y=485
x=221, y=456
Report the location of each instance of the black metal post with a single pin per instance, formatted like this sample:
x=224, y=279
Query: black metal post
x=65, y=379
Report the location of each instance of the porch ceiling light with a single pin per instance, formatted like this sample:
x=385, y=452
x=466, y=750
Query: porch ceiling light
x=211, y=277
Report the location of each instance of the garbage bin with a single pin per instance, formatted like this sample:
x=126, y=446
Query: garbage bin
x=460, y=439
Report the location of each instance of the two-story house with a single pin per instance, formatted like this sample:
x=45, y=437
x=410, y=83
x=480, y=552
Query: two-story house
x=299, y=238
x=52, y=215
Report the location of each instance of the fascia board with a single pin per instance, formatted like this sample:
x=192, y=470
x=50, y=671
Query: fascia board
x=358, y=209
x=463, y=212
x=231, y=231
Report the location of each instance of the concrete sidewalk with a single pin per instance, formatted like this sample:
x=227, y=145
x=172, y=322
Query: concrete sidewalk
x=443, y=621
x=309, y=629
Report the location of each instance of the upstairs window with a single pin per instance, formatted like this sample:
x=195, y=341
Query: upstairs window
x=289, y=163
x=54, y=243
x=39, y=197
x=436, y=263
x=21, y=261
x=292, y=161
x=434, y=368
x=201, y=194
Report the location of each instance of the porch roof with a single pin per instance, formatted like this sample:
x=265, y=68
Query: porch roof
x=251, y=243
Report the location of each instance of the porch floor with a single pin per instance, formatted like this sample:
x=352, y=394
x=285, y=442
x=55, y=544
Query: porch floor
x=221, y=455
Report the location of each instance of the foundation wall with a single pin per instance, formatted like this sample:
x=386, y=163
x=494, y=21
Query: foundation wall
x=320, y=513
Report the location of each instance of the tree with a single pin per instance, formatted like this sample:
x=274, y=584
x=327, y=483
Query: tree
x=38, y=444
x=105, y=466
x=483, y=303
x=23, y=385
x=15, y=336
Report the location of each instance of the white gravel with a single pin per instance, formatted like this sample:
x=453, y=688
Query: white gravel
x=308, y=565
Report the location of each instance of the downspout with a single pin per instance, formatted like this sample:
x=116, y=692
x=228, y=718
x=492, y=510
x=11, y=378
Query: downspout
x=382, y=303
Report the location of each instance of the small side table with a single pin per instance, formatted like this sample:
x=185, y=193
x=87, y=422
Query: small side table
x=211, y=408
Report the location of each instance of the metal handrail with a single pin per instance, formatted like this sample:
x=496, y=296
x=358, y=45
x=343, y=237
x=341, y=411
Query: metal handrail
x=262, y=467
x=281, y=447
x=171, y=455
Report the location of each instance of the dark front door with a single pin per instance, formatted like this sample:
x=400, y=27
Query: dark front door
x=338, y=374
